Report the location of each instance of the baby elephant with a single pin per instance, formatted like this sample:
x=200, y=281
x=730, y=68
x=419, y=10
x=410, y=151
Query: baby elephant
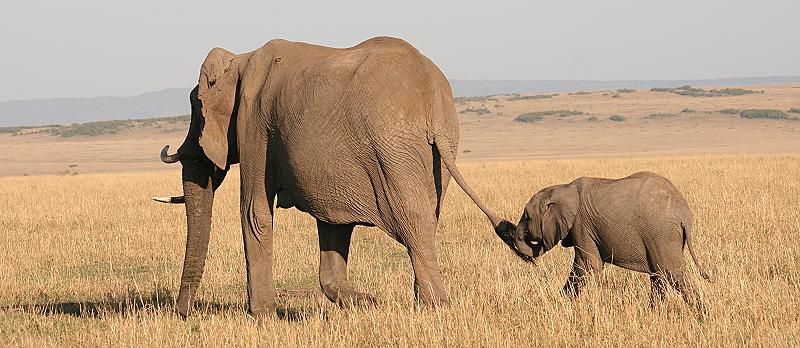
x=640, y=222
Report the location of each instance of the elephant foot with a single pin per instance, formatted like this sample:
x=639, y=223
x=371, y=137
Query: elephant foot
x=353, y=299
x=438, y=303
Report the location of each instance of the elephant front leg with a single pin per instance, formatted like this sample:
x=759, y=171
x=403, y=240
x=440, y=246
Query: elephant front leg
x=257, y=235
x=334, y=249
x=583, y=267
x=256, y=212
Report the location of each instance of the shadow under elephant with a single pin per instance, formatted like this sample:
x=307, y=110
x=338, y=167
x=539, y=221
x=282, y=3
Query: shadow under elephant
x=159, y=300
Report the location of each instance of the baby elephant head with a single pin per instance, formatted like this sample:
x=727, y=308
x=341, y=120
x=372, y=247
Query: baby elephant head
x=547, y=219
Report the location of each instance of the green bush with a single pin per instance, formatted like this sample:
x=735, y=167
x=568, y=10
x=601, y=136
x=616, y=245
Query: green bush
x=90, y=129
x=771, y=114
x=659, y=115
x=539, y=115
x=795, y=110
x=699, y=92
x=687, y=110
x=529, y=117
x=478, y=111
x=730, y=111
x=515, y=97
x=462, y=100
x=736, y=91
x=592, y=119
x=618, y=118
x=626, y=90
x=14, y=130
x=695, y=92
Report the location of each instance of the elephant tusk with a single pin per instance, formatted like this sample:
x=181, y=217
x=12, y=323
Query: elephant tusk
x=166, y=158
x=171, y=200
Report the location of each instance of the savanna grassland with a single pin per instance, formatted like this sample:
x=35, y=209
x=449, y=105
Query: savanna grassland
x=89, y=260
x=684, y=121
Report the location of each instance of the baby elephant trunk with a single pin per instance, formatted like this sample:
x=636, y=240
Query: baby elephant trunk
x=508, y=233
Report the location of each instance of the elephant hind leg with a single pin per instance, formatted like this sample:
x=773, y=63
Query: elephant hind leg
x=407, y=201
x=413, y=223
x=669, y=263
x=334, y=249
x=428, y=288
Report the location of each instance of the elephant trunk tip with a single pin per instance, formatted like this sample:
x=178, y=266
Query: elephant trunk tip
x=505, y=230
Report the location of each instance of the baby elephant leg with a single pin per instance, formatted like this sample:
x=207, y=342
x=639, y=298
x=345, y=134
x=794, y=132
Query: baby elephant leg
x=684, y=285
x=583, y=267
x=658, y=287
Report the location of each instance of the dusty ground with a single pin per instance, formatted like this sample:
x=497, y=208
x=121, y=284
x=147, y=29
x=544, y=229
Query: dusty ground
x=491, y=136
x=704, y=131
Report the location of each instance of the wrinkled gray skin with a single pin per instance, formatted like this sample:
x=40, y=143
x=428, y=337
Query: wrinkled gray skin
x=354, y=136
x=640, y=222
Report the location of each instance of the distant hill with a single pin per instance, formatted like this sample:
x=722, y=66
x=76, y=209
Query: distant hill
x=174, y=101
x=168, y=102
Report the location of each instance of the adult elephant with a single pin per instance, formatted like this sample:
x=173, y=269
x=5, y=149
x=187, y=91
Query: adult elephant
x=353, y=136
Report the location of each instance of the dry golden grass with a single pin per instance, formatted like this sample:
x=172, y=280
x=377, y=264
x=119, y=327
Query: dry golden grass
x=89, y=260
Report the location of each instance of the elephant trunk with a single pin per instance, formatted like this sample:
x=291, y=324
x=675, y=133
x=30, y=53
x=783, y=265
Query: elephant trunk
x=509, y=233
x=198, y=191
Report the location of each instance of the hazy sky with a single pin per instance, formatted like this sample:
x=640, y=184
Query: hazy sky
x=94, y=48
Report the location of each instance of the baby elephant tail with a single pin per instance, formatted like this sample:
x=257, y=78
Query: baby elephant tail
x=687, y=238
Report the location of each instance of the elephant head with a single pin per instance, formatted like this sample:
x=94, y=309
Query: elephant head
x=547, y=219
x=206, y=155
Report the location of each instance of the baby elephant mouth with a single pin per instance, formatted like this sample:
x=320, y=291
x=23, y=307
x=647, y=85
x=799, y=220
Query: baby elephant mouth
x=533, y=244
x=528, y=249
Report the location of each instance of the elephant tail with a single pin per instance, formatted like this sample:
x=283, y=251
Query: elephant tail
x=447, y=153
x=687, y=238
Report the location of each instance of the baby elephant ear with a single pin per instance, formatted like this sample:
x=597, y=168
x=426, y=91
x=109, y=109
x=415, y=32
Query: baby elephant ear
x=219, y=77
x=557, y=220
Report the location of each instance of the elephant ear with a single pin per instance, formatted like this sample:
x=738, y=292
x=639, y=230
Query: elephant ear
x=219, y=77
x=559, y=215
